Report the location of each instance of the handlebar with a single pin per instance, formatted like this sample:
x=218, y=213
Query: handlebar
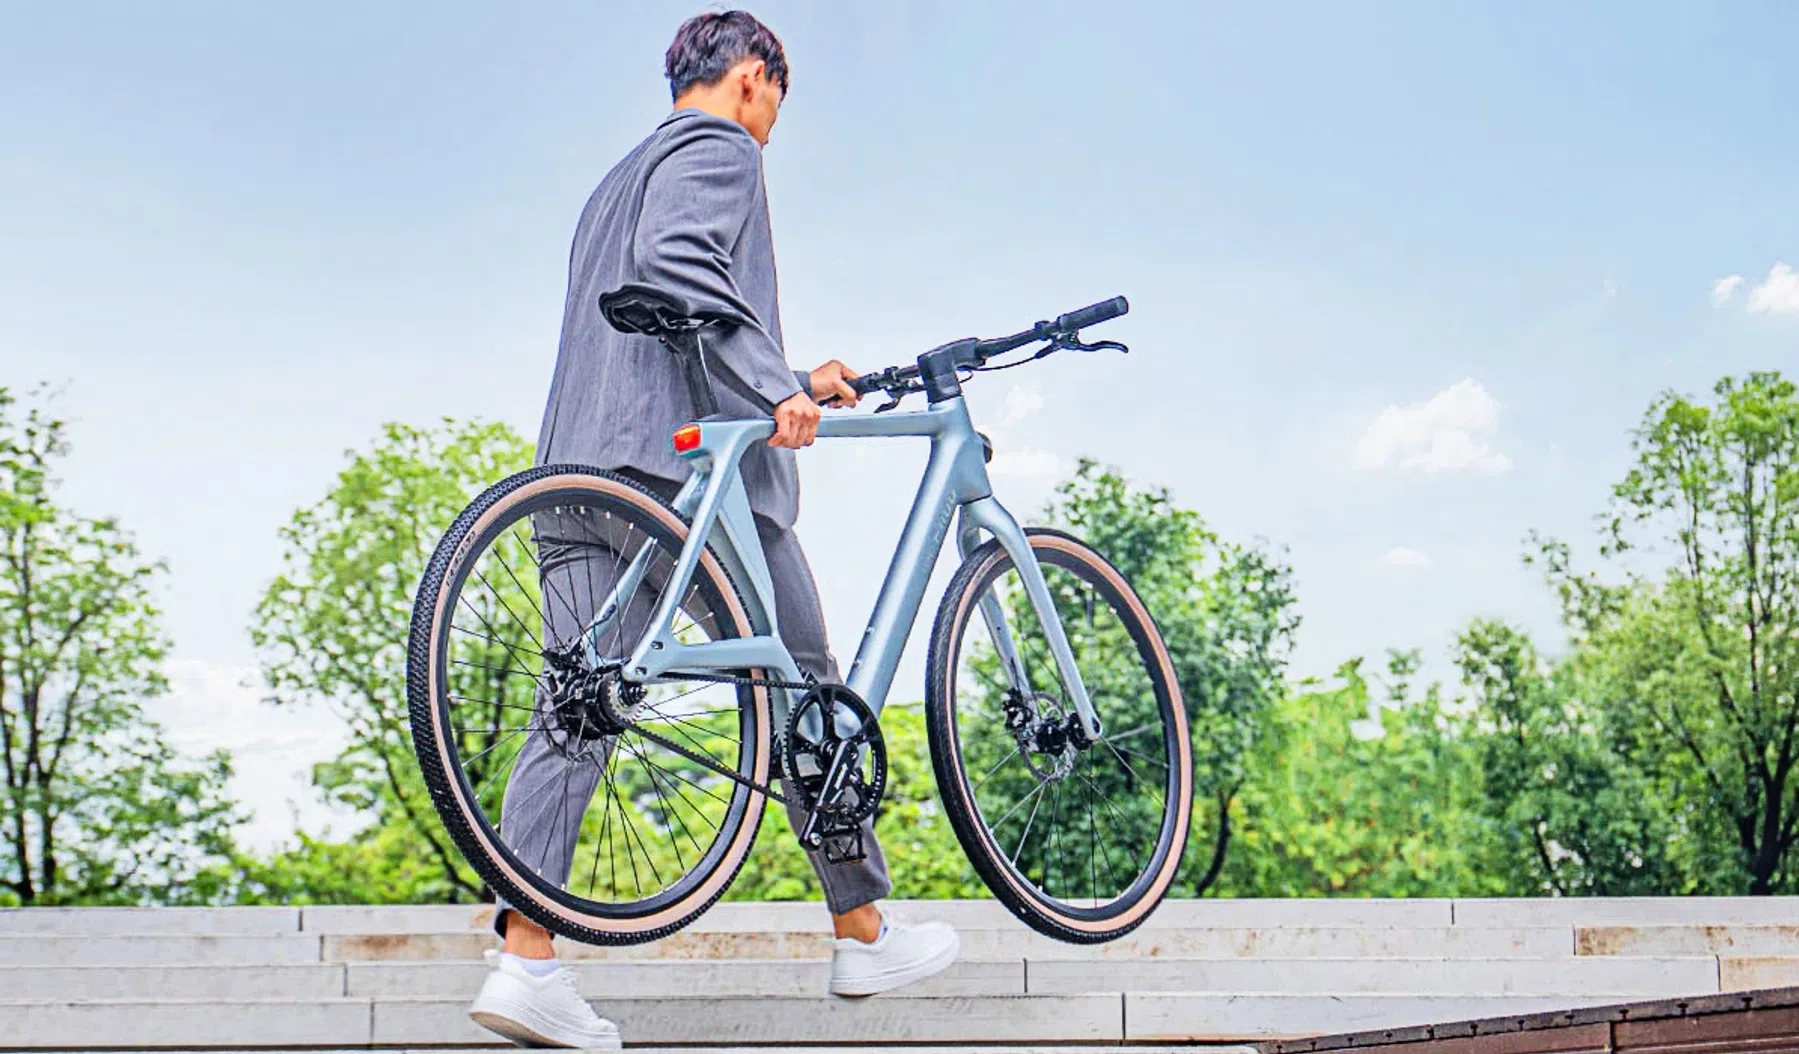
x=1064, y=332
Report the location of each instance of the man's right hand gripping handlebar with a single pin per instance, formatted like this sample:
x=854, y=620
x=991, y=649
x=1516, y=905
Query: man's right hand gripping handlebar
x=796, y=417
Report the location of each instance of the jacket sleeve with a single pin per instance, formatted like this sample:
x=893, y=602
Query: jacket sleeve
x=695, y=205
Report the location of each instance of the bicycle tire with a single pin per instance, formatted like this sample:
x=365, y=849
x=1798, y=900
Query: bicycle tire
x=1032, y=905
x=427, y=696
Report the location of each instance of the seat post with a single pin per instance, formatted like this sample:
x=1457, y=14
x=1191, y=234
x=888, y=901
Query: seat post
x=688, y=344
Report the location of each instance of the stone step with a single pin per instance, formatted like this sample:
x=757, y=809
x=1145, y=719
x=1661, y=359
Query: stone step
x=1726, y=940
x=159, y=951
x=760, y=1020
x=1596, y=977
x=970, y=914
x=860, y=1048
x=1017, y=942
x=1173, y=1017
x=1626, y=911
x=603, y=980
x=1012, y=942
x=185, y=922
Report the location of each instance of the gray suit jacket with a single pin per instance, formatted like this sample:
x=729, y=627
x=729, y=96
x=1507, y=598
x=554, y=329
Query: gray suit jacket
x=685, y=211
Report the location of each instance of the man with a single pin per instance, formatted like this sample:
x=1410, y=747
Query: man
x=686, y=211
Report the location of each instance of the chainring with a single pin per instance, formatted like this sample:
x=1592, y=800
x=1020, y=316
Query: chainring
x=828, y=719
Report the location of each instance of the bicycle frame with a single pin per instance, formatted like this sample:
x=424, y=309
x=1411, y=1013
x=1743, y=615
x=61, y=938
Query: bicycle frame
x=954, y=482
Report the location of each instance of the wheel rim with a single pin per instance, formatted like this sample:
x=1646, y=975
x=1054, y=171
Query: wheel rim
x=1086, y=834
x=657, y=825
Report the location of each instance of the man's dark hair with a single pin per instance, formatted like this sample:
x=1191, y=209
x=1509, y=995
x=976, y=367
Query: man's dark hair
x=707, y=46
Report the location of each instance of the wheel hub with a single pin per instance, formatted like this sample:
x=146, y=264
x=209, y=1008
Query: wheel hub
x=584, y=703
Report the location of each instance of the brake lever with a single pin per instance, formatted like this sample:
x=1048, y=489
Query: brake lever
x=1104, y=345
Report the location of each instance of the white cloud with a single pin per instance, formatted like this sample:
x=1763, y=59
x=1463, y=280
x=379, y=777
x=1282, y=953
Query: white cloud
x=1778, y=295
x=212, y=706
x=1449, y=432
x=1022, y=401
x=1725, y=288
x=1025, y=464
x=1403, y=556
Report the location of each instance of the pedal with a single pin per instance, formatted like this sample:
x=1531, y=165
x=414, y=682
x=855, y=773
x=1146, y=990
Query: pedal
x=844, y=848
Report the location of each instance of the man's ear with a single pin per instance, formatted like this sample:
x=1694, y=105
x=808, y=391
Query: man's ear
x=755, y=72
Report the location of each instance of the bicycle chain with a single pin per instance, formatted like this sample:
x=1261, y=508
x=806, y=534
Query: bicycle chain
x=780, y=746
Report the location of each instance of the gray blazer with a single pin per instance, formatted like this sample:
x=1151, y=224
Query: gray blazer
x=685, y=211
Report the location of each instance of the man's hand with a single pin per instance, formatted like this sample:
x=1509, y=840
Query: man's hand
x=796, y=422
x=832, y=382
x=796, y=418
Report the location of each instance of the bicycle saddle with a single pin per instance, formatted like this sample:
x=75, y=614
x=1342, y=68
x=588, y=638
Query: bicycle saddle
x=639, y=308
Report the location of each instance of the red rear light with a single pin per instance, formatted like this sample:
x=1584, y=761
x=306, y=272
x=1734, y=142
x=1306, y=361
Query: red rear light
x=687, y=438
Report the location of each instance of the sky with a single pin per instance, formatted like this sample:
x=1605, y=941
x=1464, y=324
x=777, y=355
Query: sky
x=1403, y=276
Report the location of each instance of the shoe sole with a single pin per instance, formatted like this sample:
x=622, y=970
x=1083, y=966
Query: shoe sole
x=525, y=1036
x=862, y=987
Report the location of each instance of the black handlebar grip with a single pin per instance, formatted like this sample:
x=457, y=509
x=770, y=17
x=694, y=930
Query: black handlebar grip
x=867, y=384
x=1093, y=314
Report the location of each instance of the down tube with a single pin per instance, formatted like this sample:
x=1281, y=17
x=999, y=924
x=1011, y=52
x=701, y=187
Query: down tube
x=878, y=655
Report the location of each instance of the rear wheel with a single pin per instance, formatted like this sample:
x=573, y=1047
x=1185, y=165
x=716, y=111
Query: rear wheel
x=543, y=764
x=1080, y=840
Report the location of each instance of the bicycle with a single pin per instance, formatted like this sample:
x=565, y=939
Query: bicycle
x=639, y=636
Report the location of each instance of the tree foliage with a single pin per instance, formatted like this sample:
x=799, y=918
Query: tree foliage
x=1362, y=790
x=1226, y=611
x=96, y=808
x=332, y=630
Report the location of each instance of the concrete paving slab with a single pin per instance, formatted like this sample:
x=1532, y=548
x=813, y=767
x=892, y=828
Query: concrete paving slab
x=136, y=922
x=190, y=1023
x=157, y=951
x=1628, y=911
x=1687, y=940
x=764, y=1020
x=1177, y=1018
x=671, y=978
x=1012, y=942
x=70, y=983
x=1635, y=978
x=1748, y=974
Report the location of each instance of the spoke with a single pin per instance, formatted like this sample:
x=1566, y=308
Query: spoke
x=490, y=702
x=508, y=607
x=1092, y=826
x=983, y=781
x=500, y=742
x=656, y=785
x=997, y=824
x=1027, y=832
x=510, y=671
x=630, y=831
x=702, y=788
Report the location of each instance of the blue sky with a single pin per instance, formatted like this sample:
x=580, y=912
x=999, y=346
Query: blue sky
x=1403, y=276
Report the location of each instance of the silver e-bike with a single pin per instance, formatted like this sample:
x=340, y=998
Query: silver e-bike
x=572, y=610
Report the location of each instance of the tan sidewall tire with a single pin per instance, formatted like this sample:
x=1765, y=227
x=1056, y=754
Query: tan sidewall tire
x=466, y=823
x=953, y=619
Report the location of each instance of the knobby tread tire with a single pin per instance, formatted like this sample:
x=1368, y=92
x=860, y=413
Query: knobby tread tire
x=421, y=641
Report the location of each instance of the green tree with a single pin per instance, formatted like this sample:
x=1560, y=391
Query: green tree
x=332, y=631
x=96, y=808
x=1351, y=793
x=1659, y=753
x=1573, y=815
x=1226, y=612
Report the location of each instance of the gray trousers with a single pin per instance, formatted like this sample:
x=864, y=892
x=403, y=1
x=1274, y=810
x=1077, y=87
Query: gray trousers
x=546, y=794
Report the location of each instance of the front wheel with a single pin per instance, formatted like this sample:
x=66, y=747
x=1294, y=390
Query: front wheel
x=1079, y=839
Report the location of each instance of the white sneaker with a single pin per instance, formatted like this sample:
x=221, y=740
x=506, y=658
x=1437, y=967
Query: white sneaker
x=902, y=955
x=539, y=1011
